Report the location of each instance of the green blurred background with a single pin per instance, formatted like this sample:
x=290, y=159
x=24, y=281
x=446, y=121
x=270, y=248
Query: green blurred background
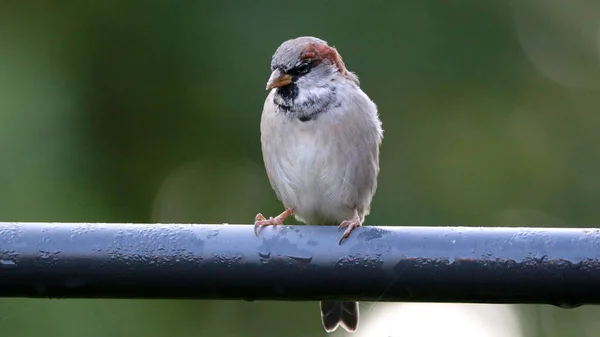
x=148, y=111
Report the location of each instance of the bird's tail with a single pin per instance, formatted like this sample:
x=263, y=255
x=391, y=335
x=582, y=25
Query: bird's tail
x=335, y=313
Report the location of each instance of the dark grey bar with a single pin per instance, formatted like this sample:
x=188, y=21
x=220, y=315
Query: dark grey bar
x=413, y=264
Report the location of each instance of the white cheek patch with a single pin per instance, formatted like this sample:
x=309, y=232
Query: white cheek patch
x=305, y=95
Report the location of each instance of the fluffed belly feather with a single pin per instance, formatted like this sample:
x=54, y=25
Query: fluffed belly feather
x=322, y=176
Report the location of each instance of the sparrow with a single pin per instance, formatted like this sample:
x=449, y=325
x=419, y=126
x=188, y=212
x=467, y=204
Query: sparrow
x=320, y=138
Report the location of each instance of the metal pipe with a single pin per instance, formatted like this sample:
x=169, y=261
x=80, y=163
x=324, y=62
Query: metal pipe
x=556, y=266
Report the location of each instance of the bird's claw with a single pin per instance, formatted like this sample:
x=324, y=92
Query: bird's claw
x=261, y=221
x=351, y=224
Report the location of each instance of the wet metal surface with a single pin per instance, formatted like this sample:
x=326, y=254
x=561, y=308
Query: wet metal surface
x=417, y=264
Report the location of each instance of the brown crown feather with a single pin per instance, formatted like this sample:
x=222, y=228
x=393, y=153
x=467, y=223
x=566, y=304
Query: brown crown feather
x=318, y=51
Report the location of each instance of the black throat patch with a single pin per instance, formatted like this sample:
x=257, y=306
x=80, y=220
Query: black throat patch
x=287, y=94
x=306, y=118
x=310, y=108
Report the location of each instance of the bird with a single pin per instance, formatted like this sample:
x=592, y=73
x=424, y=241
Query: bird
x=320, y=140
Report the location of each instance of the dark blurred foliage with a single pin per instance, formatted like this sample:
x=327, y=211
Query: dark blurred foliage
x=148, y=111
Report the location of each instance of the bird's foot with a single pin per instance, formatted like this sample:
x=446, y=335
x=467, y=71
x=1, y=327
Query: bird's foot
x=351, y=224
x=261, y=221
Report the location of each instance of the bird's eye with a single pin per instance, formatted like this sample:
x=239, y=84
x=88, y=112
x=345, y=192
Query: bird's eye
x=303, y=68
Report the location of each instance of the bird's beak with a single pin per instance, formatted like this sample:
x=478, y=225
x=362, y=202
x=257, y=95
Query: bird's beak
x=278, y=79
